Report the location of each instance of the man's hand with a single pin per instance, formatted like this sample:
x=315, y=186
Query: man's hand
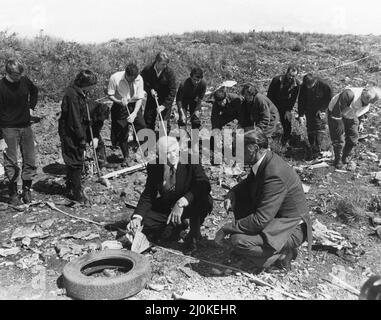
x=95, y=142
x=288, y=116
x=302, y=120
x=160, y=109
x=124, y=102
x=229, y=203
x=153, y=93
x=3, y=145
x=134, y=224
x=131, y=117
x=197, y=113
x=222, y=233
x=82, y=144
x=175, y=216
x=182, y=202
x=320, y=114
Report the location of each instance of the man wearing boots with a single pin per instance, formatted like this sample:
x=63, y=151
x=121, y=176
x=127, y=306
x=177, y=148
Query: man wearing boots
x=72, y=127
x=126, y=91
x=160, y=80
x=270, y=208
x=283, y=91
x=189, y=97
x=17, y=95
x=345, y=112
x=314, y=97
x=174, y=193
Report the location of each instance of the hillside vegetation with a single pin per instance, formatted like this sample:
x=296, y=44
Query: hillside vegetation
x=253, y=56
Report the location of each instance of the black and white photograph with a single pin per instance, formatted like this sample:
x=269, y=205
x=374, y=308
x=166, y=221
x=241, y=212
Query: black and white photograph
x=190, y=156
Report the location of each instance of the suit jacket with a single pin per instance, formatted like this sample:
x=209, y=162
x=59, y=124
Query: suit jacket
x=271, y=203
x=164, y=85
x=191, y=183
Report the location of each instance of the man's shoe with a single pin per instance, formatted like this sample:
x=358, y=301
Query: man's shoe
x=190, y=245
x=14, y=200
x=344, y=160
x=338, y=164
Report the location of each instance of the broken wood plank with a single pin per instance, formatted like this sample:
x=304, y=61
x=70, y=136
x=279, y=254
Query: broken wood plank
x=53, y=206
x=125, y=170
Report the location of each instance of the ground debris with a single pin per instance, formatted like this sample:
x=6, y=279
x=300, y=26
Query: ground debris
x=33, y=231
x=29, y=261
x=328, y=238
x=9, y=251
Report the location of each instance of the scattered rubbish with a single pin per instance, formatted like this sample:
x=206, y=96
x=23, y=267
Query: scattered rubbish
x=7, y=264
x=306, y=188
x=140, y=242
x=376, y=177
x=189, y=295
x=347, y=212
x=26, y=241
x=156, y=287
x=328, y=238
x=33, y=231
x=111, y=244
x=319, y=165
x=29, y=261
x=9, y=252
x=82, y=235
x=48, y=223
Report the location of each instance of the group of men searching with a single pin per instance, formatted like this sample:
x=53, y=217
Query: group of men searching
x=271, y=216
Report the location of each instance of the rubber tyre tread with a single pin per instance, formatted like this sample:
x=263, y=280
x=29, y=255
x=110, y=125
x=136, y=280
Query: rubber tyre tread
x=80, y=286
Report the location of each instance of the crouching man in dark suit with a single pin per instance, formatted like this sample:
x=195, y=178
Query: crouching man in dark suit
x=175, y=195
x=270, y=209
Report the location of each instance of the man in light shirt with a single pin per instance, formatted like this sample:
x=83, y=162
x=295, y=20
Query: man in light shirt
x=270, y=208
x=345, y=112
x=126, y=91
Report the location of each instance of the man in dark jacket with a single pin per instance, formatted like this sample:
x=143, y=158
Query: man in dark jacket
x=283, y=92
x=314, y=97
x=17, y=96
x=257, y=110
x=72, y=127
x=173, y=193
x=189, y=97
x=270, y=208
x=226, y=108
x=160, y=80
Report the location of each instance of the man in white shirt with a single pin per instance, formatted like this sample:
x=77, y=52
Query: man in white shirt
x=126, y=90
x=344, y=116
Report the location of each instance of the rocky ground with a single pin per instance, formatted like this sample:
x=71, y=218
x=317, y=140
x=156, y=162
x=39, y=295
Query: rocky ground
x=36, y=241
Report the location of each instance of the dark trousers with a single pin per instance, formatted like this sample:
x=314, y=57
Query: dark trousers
x=315, y=130
x=286, y=126
x=120, y=126
x=190, y=105
x=155, y=221
x=259, y=251
x=344, y=135
x=22, y=137
x=150, y=115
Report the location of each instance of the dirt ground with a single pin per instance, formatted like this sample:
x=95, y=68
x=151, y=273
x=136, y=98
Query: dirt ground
x=34, y=272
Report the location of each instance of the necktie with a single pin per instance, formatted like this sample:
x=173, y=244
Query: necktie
x=170, y=181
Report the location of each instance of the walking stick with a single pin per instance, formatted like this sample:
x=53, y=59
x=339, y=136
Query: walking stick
x=136, y=135
x=92, y=140
x=161, y=118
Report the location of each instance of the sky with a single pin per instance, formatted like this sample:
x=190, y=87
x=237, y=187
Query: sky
x=94, y=21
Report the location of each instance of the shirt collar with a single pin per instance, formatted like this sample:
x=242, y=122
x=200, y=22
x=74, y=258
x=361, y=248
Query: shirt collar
x=157, y=72
x=258, y=163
